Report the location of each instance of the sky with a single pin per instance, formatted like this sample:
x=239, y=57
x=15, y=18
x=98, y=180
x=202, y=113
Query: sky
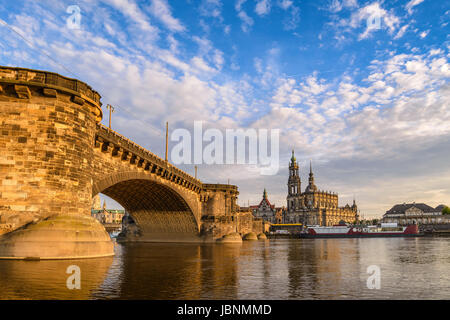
x=360, y=88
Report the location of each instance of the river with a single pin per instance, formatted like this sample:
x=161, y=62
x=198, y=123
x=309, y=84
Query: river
x=410, y=268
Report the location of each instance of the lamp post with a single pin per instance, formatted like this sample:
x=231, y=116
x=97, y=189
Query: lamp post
x=167, y=141
x=111, y=110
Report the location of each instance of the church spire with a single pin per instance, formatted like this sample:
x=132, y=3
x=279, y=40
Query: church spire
x=311, y=186
x=265, y=194
x=294, y=184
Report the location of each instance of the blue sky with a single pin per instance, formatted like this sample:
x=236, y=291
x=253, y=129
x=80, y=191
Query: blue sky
x=369, y=106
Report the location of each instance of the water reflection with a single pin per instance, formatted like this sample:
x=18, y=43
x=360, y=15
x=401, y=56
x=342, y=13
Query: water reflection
x=172, y=271
x=411, y=268
x=47, y=279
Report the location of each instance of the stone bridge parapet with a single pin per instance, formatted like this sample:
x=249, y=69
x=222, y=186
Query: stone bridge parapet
x=126, y=150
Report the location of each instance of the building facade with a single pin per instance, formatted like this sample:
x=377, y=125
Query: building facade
x=415, y=213
x=313, y=206
x=267, y=211
x=106, y=216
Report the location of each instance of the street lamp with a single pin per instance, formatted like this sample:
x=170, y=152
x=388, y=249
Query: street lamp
x=111, y=110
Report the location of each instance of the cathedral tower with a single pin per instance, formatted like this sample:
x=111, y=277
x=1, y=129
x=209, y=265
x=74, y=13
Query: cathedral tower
x=294, y=183
x=314, y=207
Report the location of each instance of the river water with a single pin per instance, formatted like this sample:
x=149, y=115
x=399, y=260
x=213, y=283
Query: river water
x=410, y=268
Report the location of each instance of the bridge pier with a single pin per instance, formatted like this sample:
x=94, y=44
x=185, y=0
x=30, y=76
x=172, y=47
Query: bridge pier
x=48, y=123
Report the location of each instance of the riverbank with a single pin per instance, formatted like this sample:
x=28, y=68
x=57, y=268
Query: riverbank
x=282, y=236
x=439, y=230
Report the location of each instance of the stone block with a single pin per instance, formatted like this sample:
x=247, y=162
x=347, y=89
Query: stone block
x=78, y=100
x=50, y=92
x=23, y=92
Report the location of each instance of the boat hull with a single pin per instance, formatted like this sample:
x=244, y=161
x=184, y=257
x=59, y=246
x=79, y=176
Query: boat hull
x=378, y=235
x=350, y=232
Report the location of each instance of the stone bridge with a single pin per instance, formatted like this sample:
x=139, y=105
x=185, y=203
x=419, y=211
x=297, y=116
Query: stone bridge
x=165, y=202
x=55, y=155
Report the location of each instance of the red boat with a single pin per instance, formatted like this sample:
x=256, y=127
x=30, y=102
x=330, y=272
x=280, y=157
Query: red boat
x=347, y=231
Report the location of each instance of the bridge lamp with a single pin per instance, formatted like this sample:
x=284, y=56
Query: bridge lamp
x=111, y=110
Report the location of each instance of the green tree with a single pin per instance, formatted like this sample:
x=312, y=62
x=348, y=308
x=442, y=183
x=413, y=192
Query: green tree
x=446, y=210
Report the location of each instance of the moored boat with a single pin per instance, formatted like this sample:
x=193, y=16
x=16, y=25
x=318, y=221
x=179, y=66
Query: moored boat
x=348, y=231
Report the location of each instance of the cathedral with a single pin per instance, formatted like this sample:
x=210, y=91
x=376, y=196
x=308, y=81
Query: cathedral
x=314, y=207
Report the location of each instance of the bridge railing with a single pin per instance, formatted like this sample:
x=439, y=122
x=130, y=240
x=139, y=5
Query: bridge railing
x=47, y=79
x=107, y=133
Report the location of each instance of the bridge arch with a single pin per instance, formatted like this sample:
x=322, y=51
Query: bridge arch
x=162, y=211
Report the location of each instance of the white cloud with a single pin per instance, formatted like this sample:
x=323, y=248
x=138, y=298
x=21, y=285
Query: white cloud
x=204, y=44
x=424, y=33
x=212, y=8
x=409, y=6
x=373, y=17
x=173, y=43
x=161, y=10
x=258, y=65
x=313, y=86
x=199, y=64
x=247, y=22
x=285, y=4
x=337, y=5
x=238, y=5
x=401, y=32
x=404, y=99
x=436, y=52
x=131, y=10
x=262, y=7
x=218, y=59
x=292, y=21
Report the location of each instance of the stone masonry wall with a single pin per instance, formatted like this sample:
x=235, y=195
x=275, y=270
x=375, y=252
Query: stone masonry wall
x=46, y=140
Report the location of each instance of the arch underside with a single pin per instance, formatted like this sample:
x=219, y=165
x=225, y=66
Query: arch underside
x=159, y=212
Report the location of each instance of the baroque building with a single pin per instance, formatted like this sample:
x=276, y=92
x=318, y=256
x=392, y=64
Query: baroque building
x=415, y=213
x=105, y=216
x=267, y=211
x=314, y=207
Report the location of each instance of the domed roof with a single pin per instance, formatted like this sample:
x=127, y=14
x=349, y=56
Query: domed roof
x=311, y=188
